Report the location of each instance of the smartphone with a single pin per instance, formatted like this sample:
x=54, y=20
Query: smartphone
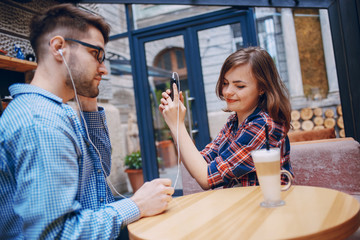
x=172, y=81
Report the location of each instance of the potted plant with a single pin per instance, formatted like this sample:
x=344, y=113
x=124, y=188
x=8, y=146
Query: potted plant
x=133, y=164
x=166, y=147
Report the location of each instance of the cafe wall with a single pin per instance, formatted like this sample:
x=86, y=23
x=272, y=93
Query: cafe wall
x=14, y=22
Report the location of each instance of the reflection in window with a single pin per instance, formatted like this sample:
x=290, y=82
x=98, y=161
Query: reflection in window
x=271, y=38
x=114, y=14
x=146, y=15
x=172, y=59
x=237, y=36
x=266, y=36
x=180, y=58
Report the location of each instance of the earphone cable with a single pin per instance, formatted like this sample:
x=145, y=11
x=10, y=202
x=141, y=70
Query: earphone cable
x=87, y=132
x=177, y=130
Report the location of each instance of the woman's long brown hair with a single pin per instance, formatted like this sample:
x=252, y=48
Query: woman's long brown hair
x=275, y=99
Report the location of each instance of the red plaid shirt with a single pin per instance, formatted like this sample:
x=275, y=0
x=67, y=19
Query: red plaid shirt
x=228, y=155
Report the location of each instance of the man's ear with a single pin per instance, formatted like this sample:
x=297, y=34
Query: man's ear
x=57, y=47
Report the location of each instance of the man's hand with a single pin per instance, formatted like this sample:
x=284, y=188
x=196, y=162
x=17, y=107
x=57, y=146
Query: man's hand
x=88, y=104
x=153, y=197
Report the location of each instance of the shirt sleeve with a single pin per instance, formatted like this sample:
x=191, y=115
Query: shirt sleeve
x=99, y=135
x=235, y=160
x=211, y=150
x=47, y=174
x=105, y=223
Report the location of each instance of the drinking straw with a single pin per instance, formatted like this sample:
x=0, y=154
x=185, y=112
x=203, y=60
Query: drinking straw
x=267, y=137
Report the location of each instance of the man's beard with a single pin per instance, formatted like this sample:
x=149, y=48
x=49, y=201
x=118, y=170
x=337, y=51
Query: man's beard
x=84, y=87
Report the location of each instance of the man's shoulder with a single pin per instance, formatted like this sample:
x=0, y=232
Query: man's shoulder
x=29, y=110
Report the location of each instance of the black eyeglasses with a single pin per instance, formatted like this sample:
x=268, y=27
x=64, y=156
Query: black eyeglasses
x=100, y=56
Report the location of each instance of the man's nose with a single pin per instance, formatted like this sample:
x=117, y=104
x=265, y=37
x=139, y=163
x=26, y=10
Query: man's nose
x=102, y=69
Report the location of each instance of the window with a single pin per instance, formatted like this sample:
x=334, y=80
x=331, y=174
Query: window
x=173, y=60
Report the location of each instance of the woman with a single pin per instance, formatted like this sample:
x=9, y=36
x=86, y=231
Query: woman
x=252, y=88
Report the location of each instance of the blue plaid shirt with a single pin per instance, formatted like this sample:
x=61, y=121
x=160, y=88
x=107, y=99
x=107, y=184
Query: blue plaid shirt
x=51, y=179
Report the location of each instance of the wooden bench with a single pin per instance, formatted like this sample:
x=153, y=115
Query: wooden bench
x=300, y=136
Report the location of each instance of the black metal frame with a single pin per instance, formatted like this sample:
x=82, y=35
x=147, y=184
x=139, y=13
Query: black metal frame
x=243, y=3
x=345, y=29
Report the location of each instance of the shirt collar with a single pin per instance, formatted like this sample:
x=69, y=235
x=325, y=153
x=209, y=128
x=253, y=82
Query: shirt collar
x=252, y=115
x=233, y=119
x=23, y=88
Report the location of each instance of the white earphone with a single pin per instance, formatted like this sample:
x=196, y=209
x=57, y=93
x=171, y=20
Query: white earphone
x=60, y=51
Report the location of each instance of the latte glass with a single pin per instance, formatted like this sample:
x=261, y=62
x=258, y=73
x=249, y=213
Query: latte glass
x=267, y=164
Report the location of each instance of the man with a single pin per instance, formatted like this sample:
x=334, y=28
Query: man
x=53, y=164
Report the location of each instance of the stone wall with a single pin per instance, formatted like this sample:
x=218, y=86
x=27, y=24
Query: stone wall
x=14, y=21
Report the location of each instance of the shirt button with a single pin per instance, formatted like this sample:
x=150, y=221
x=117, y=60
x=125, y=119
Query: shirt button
x=99, y=170
x=101, y=199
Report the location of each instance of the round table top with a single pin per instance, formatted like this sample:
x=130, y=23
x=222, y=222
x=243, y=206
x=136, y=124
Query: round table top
x=235, y=213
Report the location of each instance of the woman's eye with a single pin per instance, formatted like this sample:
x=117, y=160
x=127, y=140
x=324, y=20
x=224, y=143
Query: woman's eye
x=240, y=87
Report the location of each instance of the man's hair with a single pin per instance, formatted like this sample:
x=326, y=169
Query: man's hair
x=275, y=99
x=66, y=20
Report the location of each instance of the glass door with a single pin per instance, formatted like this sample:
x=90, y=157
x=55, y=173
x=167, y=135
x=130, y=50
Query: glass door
x=216, y=44
x=165, y=61
x=195, y=49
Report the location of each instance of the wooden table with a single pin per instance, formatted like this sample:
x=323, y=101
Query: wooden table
x=309, y=213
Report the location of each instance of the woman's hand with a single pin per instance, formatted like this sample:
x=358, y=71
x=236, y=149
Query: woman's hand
x=173, y=110
x=191, y=157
